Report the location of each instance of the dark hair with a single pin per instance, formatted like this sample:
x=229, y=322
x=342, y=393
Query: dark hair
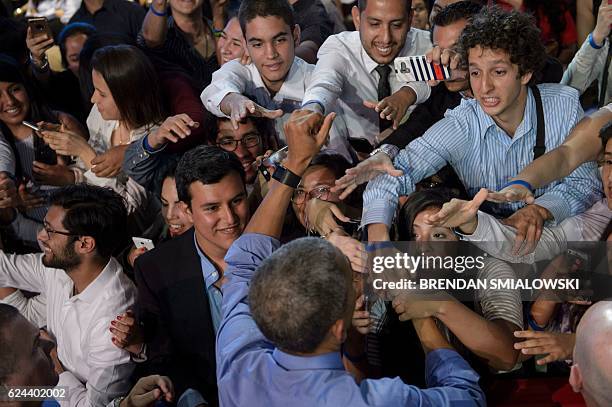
x=462, y=10
x=10, y=71
x=362, y=4
x=605, y=133
x=70, y=30
x=418, y=202
x=93, y=211
x=133, y=82
x=8, y=358
x=298, y=293
x=264, y=126
x=250, y=9
x=513, y=32
x=205, y=164
x=94, y=43
x=13, y=38
x=554, y=10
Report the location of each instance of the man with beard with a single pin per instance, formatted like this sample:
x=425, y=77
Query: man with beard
x=84, y=287
x=179, y=282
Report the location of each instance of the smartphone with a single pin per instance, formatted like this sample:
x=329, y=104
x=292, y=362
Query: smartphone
x=417, y=69
x=39, y=26
x=361, y=145
x=141, y=242
x=43, y=153
x=30, y=125
x=272, y=161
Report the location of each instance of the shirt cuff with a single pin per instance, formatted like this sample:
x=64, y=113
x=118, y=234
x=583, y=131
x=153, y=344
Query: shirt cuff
x=482, y=231
x=314, y=106
x=147, y=147
x=558, y=207
x=422, y=90
x=378, y=211
x=190, y=397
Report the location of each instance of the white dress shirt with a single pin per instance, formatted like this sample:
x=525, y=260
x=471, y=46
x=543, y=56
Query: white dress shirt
x=345, y=77
x=233, y=77
x=96, y=370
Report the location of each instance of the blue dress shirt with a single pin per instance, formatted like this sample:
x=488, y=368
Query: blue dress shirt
x=251, y=371
x=484, y=156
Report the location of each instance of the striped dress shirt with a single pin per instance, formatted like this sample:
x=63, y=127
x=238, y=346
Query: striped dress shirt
x=483, y=155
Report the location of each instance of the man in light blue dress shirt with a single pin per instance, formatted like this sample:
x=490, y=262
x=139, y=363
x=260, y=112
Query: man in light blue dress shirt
x=286, y=314
x=489, y=139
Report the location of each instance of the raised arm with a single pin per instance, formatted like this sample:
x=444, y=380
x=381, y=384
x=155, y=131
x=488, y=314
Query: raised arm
x=154, y=26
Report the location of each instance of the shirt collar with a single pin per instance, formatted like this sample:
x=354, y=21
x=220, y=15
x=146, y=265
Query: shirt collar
x=97, y=287
x=327, y=361
x=528, y=122
x=211, y=275
x=370, y=64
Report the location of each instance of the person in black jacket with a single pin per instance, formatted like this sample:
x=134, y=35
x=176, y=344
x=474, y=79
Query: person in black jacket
x=179, y=296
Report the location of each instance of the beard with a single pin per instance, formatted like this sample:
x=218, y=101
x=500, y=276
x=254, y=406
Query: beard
x=66, y=260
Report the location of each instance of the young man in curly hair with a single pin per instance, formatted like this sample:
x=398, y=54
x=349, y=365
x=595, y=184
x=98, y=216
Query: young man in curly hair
x=489, y=139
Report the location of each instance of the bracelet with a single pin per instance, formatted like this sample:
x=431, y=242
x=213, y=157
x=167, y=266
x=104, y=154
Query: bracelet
x=519, y=182
x=533, y=325
x=157, y=13
x=593, y=43
x=286, y=176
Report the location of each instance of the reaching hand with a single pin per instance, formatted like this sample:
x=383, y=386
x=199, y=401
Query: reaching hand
x=555, y=345
x=458, y=213
x=365, y=171
x=604, y=20
x=361, y=318
x=321, y=216
x=407, y=307
x=127, y=334
x=353, y=249
x=108, y=165
x=66, y=143
x=306, y=135
x=393, y=107
x=238, y=107
x=8, y=192
x=58, y=175
x=512, y=193
x=449, y=58
x=27, y=199
x=148, y=390
x=528, y=222
x=173, y=129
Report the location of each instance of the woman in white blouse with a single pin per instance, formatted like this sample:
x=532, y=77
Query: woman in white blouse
x=127, y=106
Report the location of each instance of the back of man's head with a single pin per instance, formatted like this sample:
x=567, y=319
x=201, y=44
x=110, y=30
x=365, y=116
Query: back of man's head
x=510, y=31
x=591, y=373
x=93, y=211
x=463, y=10
x=250, y=9
x=205, y=164
x=299, y=292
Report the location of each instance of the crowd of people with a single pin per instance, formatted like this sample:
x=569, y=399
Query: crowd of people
x=192, y=191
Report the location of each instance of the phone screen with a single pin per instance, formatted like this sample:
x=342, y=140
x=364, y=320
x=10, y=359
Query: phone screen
x=43, y=153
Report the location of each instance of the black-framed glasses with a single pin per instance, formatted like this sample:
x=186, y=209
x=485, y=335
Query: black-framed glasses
x=48, y=230
x=230, y=144
x=321, y=192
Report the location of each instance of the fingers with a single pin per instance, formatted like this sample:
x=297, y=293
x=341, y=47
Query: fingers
x=370, y=104
x=325, y=128
x=338, y=214
x=348, y=190
x=261, y=111
x=479, y=198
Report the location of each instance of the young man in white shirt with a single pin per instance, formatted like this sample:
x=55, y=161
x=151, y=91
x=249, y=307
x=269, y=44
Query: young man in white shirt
x=85, y=289
x=275, y=80
x=355, y=69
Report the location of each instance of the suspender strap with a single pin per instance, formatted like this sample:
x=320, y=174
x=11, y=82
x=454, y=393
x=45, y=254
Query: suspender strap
x=540, y=146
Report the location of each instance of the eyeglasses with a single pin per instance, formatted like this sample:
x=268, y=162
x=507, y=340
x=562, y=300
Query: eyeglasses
x=50, y=231
x=300, y=196
x=230, y=144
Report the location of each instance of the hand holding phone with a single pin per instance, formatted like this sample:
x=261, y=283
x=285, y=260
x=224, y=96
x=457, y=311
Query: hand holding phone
x=141, y=242
x=417, y=69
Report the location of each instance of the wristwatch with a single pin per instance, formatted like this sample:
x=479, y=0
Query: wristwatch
x=388, y=149
x=43, y=67
x=286, y=176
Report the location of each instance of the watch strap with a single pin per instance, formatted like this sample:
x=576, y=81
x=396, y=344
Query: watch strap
x=286, y=176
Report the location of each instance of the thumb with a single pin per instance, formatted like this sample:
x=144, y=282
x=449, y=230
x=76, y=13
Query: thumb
x=97, y=160
x=273, y=114
x=359, y=302
x=480, y=197
x=338, y=213
x=325, y=127
x=146, y=398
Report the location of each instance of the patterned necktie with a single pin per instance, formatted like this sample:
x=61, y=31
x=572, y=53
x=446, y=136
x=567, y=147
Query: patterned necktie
x=384, y=90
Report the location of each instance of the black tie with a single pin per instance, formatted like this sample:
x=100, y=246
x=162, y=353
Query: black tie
x=384, y=90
